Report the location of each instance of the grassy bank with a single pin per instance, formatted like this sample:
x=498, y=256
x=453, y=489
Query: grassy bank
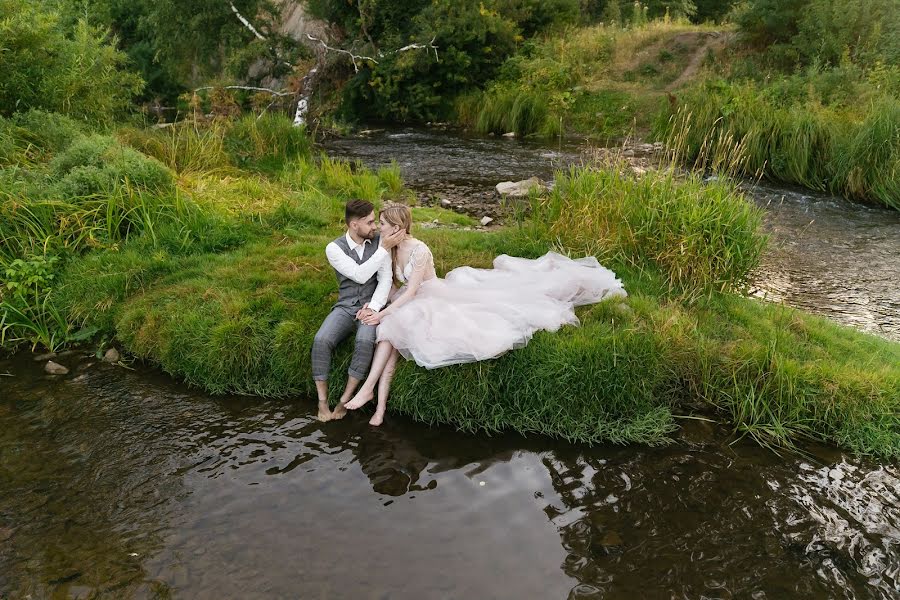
x=227, y=291
x=850, y=151
x=603, y=81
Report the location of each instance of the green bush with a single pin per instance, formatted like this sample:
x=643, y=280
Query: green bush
x=78, y=73
x=95, y=164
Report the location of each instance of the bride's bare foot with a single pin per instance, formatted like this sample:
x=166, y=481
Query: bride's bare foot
x=338, y=413
x=361, y=397
x=377, y=419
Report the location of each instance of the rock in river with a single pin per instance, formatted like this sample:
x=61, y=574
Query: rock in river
x=519, y=189
x=55, y=368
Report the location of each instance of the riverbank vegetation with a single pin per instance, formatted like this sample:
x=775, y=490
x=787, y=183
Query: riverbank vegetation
x=213, y=269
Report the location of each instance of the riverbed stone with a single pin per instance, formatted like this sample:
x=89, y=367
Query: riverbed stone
x=111, y=356
x=55, y=368
x=519, y=189
x=446, y=203
x=509, y=134
x=43, y=357
x=485, y=221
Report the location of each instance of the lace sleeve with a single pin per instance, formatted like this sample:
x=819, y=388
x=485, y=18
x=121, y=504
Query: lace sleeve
x=421, y=261
x=421, y=258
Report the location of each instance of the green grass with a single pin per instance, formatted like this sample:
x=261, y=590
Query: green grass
x=605, y=82
x=830, y=149
x=227, y=292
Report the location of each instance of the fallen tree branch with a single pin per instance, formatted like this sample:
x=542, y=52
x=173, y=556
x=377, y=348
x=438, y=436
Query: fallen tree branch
x=250, y=88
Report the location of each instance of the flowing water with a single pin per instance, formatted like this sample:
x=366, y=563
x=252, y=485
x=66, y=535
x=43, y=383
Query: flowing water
x=118, y=483
x=121, y=484
x=827, y=255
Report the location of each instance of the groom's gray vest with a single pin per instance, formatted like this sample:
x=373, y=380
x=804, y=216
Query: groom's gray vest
x=352, y=295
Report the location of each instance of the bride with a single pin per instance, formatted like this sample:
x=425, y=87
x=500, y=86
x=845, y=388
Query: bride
x=471, y=314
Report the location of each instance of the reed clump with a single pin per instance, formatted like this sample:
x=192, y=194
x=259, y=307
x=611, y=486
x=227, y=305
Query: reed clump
x=699, y=236
x=822, y=148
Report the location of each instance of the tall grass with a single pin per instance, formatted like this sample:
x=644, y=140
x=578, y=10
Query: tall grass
x=191, y=147
x=698, y=236
x=818, y=147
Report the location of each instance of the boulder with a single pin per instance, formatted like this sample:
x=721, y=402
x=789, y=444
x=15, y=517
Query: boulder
x=55, y=368
x=519, y=189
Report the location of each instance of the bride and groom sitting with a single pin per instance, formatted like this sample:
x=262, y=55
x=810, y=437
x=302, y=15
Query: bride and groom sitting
x=469, y=315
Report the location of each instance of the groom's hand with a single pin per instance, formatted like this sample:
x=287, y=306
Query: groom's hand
x=364, y=312
x=388, y=242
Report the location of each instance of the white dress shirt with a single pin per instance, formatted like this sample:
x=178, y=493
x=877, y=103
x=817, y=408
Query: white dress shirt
x=379, y=262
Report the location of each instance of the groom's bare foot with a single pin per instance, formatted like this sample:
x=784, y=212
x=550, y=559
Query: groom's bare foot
x=339, y=412
x=324, y=415
x=360, y=399
x=377, y=419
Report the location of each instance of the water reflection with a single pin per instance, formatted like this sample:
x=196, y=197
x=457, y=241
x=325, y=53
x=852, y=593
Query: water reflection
x=120, y=484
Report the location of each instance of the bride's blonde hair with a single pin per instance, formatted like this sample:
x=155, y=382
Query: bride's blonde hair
x=401, y=216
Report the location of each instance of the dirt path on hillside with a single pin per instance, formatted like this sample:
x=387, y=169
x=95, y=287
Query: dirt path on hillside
x=717, y=40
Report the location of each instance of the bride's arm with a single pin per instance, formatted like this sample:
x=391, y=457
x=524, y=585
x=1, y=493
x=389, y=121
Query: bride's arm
x=421, y=260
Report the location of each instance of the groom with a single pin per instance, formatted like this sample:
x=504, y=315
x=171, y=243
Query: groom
x=362, y=263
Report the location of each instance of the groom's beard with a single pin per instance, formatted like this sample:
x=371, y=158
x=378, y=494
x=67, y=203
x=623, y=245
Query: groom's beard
x=371, y=235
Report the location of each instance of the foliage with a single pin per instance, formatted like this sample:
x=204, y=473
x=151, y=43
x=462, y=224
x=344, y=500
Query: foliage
x=78, y=72
x=177, y=44
x=824, y=31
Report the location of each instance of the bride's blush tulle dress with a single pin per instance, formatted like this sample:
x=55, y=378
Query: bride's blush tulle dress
x=477, y=314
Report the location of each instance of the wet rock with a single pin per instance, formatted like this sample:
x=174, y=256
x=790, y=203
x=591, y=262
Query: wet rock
x=43, y=357
x=509, y=134
x=111, y=356
x=485, y=221
x=55, y=368
x=519, y=189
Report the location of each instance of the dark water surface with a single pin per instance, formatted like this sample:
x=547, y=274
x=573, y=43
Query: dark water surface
x=121, y=484
x=827, y=255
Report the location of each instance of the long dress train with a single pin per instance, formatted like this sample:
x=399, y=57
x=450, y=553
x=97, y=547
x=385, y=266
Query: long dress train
x=477, y=314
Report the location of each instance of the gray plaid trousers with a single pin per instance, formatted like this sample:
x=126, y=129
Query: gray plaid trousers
x=338, y=326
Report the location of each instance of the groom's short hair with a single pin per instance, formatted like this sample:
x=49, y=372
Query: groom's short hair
x=357, y=209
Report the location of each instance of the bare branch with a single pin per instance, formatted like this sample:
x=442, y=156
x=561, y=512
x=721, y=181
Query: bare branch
x=429, y=46
x=353, y=57
x=250, y=88
x=246, y=23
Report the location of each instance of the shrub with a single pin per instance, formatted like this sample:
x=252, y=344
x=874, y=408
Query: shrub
x=94, y=164
x=81, y=74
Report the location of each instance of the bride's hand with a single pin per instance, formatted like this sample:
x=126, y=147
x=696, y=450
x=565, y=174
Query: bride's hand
x=372, y=319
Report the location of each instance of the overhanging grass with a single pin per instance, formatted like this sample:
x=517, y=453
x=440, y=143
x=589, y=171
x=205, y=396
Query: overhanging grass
x=229, y=297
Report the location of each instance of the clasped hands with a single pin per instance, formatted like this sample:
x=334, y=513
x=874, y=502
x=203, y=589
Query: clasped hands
x=368, y=316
